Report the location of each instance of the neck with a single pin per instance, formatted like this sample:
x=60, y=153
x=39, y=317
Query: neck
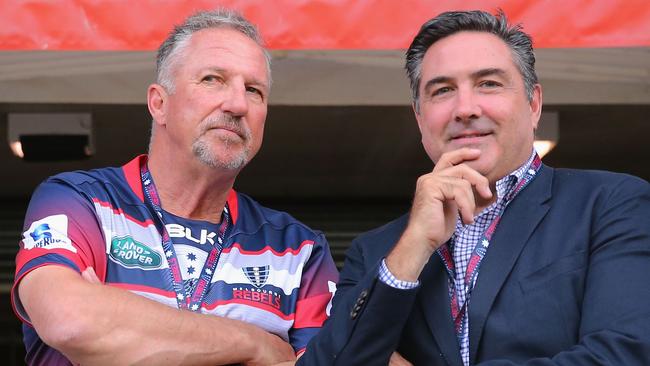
x=482, y=203
x=190, y=189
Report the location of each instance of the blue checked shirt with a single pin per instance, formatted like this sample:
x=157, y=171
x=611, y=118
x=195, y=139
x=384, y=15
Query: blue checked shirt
x=461, y=245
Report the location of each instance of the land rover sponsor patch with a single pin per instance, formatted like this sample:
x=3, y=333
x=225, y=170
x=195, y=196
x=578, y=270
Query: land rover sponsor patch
x=48, y=233
x=133, y=254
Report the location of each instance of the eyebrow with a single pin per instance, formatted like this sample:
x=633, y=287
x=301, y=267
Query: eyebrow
x=488, y=72
x=475, y=75
x=437, y=80
x=210, y=69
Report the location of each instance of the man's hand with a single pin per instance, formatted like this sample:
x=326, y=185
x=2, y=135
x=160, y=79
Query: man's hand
x=444, y=193
x=440, y=196
x=397, y=360
x=272, y=350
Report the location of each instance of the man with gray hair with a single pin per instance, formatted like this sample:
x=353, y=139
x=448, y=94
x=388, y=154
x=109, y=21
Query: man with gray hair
x=161, y=261
x=502, y=260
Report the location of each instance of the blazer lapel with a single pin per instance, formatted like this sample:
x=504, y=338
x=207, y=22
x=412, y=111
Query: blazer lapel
x=517, y=224
x=434, y=300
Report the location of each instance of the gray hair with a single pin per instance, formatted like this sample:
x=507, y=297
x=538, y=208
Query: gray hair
x=179, y=38
x=449, y=23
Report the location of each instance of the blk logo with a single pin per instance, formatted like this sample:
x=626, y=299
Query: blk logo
x=179, y=231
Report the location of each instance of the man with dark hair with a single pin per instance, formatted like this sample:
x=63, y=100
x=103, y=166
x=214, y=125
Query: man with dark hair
x=502, y=260
x=161, y=261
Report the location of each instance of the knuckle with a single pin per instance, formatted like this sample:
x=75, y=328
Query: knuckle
x=466, y=184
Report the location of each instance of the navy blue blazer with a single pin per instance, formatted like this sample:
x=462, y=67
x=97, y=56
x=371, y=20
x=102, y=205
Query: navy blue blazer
x=564, y=282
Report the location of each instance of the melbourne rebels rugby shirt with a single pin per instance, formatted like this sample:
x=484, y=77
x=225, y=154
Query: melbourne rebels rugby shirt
x=273, y=272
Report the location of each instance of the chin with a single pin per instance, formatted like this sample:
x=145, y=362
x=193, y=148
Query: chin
x=226, y=160
x=483, y=166
x=224, y=164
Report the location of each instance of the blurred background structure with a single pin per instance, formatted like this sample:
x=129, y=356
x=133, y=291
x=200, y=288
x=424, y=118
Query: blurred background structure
x=342, y=149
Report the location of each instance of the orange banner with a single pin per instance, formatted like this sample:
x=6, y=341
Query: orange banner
x=303, y=24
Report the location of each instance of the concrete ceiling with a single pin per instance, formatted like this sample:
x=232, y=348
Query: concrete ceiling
x=316, y=78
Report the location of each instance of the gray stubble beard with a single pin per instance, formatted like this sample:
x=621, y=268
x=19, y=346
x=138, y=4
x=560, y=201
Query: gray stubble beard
x=201, y=147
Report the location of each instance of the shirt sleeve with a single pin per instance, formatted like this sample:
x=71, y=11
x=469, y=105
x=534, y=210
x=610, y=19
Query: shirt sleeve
x=387, y=277
x=317, y=288
x=60, y=229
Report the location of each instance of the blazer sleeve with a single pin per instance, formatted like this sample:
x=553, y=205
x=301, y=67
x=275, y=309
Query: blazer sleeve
x=367, y=315
x=615, y=311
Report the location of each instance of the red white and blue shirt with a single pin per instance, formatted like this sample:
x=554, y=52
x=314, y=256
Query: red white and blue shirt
x=273, y=271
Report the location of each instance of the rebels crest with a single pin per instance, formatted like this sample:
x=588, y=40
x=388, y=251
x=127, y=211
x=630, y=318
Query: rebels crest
x=257, y=275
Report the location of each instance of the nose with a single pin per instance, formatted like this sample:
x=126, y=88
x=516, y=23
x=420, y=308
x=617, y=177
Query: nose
x=466, y=108
x=235, y=101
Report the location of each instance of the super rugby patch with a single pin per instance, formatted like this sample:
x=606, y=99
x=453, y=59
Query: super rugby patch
x=48, y=233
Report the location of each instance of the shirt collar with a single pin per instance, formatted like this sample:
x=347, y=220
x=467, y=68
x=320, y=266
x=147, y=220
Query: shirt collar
x=507, y=183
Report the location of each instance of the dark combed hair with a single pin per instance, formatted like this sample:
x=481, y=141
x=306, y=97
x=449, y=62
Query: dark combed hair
x=452, y=22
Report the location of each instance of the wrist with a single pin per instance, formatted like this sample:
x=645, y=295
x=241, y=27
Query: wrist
x=408, y=258
x=389, y=278
x=249, y=342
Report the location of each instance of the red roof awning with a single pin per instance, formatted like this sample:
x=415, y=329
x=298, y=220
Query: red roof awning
x=303, y=24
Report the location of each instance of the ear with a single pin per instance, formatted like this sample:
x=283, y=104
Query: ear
x=157, y=103
x=417, y=114
x=536, y=105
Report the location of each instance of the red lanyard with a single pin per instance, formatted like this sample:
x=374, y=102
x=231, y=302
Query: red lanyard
x=458, y=310
x=187, y=298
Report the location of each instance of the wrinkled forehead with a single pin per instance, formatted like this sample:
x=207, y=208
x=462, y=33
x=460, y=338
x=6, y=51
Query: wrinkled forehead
x=467, y=52
x=222, y=45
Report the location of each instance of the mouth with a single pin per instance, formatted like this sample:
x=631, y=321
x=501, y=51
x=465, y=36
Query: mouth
x=227, y=131
x=469, y=136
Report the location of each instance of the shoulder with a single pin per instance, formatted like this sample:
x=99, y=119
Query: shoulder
x=76, y=185
x=594, y=177
x=596, y=194
x=383, y=238
x=394, y=227
x=81, y=193
x=108, y=184
x=253, y=217
x=599, y=182
x=83, y=178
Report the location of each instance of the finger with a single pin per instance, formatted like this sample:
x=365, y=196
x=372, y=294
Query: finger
x=460, y=191
x=454, y=193
x=89, y=275
x=397, y=360
x=476, y=179
x=456, y=157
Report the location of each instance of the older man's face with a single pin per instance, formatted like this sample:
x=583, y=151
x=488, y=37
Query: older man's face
x=472, y=95
x=220, y=97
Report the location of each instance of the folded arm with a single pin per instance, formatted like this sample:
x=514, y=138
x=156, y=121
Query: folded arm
x=97, y=324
